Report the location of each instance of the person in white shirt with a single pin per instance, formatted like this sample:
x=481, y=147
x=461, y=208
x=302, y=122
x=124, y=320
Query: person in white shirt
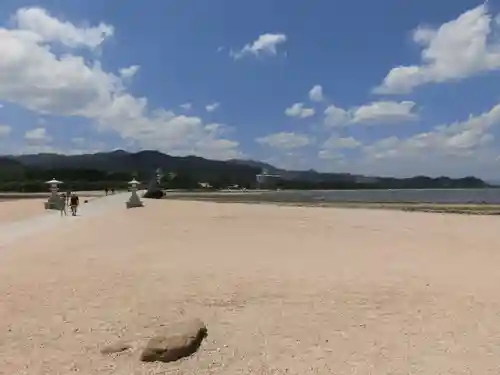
x=62, y=205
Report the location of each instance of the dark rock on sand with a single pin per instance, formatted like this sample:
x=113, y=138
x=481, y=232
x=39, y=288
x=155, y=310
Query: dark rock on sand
x=117, y=347
x=177, y=341
x=154, y=194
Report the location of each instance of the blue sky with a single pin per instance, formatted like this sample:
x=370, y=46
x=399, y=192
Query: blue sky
x=381, y=88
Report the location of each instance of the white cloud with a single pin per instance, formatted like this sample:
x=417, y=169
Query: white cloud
x=316, y=94
x=381, y=112
x=330, y=154
x=35, y=77
x=339, y=143
x=298, y=110
x=456, y=149
x=186, y=106
x=335, y=116
x=127, y=73
x=45, y=28
x=285, y=140
x=37, y=136
x=5, y=131
x=460, y=139
x=456, y=50
x=332, y=147
x=36, y=148
x=79, y=141
x=212, y=107
x=385, y=111
x=215, y=127
x=266, y=44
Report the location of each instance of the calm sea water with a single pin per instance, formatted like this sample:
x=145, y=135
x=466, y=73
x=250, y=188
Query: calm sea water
x=491, y=196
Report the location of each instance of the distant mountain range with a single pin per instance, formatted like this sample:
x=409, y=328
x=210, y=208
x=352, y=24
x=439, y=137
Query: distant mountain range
x=145, y=162
x=310, y=175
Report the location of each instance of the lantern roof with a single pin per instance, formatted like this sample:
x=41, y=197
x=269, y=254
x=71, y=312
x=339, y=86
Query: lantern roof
x=53, y=181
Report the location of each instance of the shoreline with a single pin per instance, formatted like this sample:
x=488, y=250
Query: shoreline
x=271, y=198
x=446, y=208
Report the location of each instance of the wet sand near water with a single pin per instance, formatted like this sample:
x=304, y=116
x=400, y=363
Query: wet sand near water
x=283, y=290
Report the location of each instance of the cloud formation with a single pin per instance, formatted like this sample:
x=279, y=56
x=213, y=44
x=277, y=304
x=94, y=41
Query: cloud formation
x=5, y=130
x=40, y=25
x=381, y=112
x=316, y=94
x=300, y=111
x=456, y=50
x=458, y=139
x=285, y=140
x=265, y=44
x=30, y=62
x=37, y=47
x=37, y=136
x=212, y=107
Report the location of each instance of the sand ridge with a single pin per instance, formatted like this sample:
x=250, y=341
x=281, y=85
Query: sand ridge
x=283, y=290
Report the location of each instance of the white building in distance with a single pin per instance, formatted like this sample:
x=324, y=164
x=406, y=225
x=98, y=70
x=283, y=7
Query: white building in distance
x=265, y=180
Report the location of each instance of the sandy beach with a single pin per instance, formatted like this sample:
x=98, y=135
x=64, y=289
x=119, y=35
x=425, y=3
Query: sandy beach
x=18, y=209
x=283, y=290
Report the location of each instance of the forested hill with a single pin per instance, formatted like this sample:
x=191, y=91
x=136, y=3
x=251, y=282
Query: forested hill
x=93, y=171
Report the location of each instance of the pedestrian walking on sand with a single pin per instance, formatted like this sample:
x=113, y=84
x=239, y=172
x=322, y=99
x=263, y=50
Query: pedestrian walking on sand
x=106, y=190
x=62, y=205
x=74, y=202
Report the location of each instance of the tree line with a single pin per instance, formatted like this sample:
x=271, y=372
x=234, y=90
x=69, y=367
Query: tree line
x=29, y=179
x=84, y=179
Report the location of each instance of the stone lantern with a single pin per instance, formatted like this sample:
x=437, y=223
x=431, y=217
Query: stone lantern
x=134, y=200
x=54, y=201
x=154, y=189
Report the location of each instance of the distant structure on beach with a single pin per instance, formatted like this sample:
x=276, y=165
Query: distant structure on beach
x=154, y=187
x=265, y=180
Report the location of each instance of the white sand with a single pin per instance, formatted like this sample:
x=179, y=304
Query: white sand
x=27, y=217
x=14, y=210
x=17, y=210
x=283, y=290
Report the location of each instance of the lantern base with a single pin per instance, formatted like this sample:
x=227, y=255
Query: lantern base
x=53, y=203
x=134, y=204
x=134, y=201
